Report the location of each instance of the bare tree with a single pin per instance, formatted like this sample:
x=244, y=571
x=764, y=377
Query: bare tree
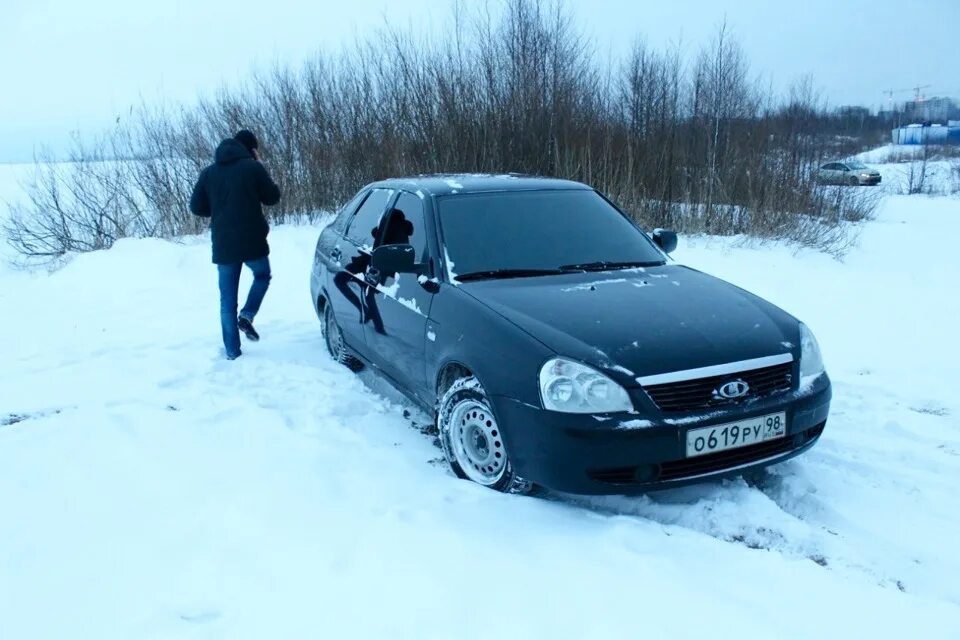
x=917, y=170
x=691, y=144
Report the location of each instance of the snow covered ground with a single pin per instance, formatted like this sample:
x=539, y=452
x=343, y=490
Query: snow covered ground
x=149, y=489
x=900, y=165
x=13, y=178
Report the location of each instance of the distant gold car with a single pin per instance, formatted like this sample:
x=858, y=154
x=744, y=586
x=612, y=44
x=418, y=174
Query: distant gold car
x=849, y=172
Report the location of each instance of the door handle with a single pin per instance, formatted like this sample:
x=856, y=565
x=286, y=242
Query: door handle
x=336, y=254
x=372, y=277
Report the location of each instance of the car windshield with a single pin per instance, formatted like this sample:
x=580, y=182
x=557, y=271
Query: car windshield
x=523, y=233
x=853, y=164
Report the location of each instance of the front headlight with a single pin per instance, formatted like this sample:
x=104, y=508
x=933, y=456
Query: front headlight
x=864, y=175
x=572, y=387
x=811, y=362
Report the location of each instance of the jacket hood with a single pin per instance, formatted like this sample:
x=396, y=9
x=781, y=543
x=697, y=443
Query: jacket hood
x=641, y=322
x=230, y=150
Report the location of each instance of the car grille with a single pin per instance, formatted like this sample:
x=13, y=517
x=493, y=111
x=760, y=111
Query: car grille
x=620, y=475
x=691, y=395
x=711, y=463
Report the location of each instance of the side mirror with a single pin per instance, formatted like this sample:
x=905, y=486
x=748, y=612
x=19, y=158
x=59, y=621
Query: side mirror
x=666, y=240
x=394, y=258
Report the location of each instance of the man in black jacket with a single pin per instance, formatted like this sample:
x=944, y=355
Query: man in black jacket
x=231, y=193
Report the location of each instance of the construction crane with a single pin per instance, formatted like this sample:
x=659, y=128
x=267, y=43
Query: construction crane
x=917, y=96
x=891, y=92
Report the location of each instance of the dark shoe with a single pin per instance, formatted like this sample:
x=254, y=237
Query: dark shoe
x=247, y=327
x=234, y=356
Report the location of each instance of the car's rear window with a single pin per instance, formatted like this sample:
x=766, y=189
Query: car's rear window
x=537, y=230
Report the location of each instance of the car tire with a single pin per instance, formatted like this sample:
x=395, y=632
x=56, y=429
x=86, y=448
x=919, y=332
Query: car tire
x=336, y=347
x=471, y=439
x=853, y=181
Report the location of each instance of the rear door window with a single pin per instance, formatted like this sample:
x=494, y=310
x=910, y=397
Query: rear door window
x=364, y=226
x=340, y=224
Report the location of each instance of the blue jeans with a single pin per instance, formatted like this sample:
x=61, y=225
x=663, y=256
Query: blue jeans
x=229, y=289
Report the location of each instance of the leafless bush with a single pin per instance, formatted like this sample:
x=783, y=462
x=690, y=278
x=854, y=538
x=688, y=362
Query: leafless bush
x=691, y=144
x=916, y=177
x=955, y=176
x=947, y=152
x=902, y=155
x=81, y=205
x=132, y=183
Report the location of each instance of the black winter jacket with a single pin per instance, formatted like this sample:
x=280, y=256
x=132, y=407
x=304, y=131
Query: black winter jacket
x=231, y=193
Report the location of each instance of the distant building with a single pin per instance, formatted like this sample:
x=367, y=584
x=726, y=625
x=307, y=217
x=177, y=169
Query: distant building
x=854, y=112
x=931, y=110
x=933, y=121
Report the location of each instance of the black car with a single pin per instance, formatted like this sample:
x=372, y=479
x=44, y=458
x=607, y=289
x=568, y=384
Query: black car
x=556, y=343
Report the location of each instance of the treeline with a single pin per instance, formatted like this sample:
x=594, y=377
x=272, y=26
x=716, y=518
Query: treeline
x=690, y=142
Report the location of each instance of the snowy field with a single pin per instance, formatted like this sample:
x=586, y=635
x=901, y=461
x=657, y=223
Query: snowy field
x=149, y=489
x=13, y=178
x=897, y=162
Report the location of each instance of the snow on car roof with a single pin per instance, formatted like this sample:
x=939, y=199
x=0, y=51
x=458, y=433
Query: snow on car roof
x=453, y=183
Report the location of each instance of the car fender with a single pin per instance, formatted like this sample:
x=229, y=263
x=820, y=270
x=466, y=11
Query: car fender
x=465, y=332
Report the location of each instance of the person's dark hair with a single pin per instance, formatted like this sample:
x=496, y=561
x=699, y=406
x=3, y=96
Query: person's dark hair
x=247, y=139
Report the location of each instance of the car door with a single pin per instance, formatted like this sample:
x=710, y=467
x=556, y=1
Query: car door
x=843, y=173
x=822, y=173
x=828, y=173
x=347, y=291
x=838, y=173
x=399, y=306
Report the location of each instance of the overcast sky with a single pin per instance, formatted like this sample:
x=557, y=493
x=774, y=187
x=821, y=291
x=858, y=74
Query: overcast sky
x=70, y=65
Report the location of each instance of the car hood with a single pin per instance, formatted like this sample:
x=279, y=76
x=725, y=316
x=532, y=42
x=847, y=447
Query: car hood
x=641, y=322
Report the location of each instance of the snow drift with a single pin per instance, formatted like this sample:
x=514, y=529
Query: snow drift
x=148, y=488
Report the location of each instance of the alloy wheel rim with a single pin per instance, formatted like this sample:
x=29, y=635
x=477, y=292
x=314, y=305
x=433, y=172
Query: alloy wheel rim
x=334, y=339
x=477, y=443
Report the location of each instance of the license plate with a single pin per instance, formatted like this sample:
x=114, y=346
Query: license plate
x=733, y=435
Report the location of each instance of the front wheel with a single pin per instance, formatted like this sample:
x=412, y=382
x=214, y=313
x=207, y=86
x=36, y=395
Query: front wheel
x=854, y=181
x=472, y=441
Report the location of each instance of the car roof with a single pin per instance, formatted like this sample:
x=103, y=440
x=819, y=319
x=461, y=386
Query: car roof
x=444, y=184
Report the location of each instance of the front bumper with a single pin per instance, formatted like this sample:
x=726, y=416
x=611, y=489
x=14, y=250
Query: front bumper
x=586, y=454
x=870, y=180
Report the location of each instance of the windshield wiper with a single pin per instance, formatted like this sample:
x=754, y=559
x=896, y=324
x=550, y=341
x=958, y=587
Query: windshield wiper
x=494, y=274
x=603, y=265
